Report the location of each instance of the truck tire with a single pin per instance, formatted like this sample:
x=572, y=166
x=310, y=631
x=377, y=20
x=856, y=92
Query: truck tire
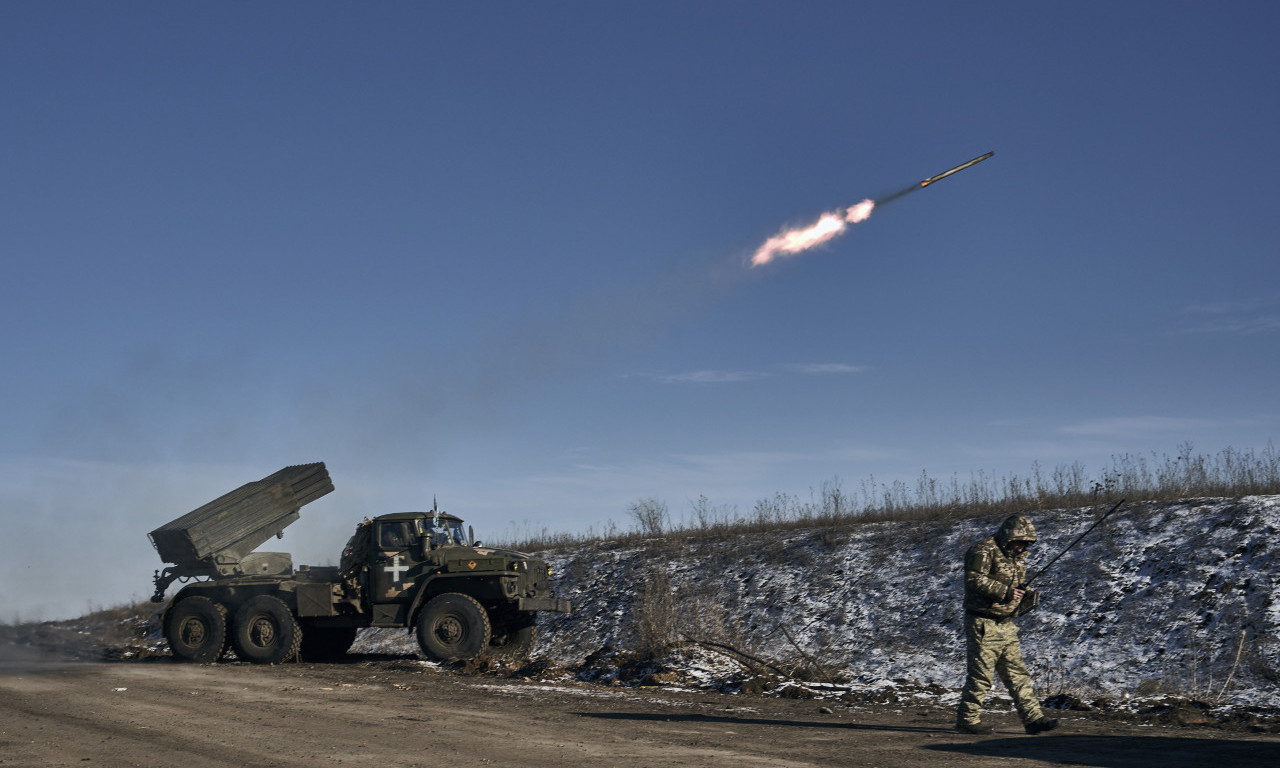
x=453, y=626
x=196, y=628
x=266, y=631
x=325, y=643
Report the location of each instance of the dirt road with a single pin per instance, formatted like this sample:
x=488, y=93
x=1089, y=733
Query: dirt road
x=401, y=712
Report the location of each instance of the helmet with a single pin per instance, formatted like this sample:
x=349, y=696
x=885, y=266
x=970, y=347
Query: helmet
x=1016, y=528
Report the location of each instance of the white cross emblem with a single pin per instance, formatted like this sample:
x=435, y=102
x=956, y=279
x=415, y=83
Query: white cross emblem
x=396, y=568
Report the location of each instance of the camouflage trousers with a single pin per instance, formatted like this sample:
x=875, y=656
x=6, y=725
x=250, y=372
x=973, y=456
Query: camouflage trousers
x=992, y=648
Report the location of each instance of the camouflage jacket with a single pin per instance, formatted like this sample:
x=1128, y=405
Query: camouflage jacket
x=990, y=575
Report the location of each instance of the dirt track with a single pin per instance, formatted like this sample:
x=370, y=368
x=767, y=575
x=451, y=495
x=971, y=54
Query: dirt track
x=392, y=712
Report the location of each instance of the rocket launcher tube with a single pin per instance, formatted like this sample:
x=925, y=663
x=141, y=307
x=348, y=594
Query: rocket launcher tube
x=215, y=538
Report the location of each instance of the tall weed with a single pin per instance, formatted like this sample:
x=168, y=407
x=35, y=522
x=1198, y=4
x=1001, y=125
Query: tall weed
x=1229, y=473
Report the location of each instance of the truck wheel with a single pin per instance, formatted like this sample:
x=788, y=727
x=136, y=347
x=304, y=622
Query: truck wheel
x=266, y=631
x=196, y=628
x=326, y=643
x=453, y=626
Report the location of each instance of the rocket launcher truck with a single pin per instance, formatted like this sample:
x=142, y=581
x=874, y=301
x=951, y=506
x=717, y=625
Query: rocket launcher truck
x=417, y=570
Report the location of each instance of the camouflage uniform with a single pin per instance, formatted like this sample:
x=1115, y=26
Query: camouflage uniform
x=991, y=637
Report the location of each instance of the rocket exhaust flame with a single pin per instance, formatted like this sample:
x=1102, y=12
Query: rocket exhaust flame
x=829, y=225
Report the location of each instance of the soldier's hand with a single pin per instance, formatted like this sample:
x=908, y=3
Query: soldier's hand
x=1017, y=594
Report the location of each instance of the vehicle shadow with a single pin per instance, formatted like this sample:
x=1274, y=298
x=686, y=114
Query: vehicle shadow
x=1124, y=751
x=1118, y=751
x=730, y=720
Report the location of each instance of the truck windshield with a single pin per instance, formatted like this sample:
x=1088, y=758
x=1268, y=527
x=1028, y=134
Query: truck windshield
x=447, y=532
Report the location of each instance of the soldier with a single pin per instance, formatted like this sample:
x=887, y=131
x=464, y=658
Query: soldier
x=993, y=570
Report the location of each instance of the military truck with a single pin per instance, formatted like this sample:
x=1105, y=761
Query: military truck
x=418, y=570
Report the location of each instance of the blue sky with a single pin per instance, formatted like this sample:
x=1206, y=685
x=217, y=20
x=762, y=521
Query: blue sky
x=497, y=253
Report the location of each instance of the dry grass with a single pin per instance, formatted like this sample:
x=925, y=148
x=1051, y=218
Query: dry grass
x=1229, y=473
x=114, y=632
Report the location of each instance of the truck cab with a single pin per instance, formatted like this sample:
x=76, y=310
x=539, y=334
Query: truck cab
x=423, y=569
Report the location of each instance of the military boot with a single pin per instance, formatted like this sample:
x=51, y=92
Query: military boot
x=977, y=729
x=1040, y=725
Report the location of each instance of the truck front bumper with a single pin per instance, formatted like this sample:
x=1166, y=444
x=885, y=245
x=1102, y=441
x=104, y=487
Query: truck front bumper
x=543, y=604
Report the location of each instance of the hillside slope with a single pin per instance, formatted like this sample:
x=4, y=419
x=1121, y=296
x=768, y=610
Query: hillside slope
x=1174, y=597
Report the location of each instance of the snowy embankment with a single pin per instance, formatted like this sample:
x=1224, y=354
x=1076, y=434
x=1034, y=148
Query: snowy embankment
x=1176, y=597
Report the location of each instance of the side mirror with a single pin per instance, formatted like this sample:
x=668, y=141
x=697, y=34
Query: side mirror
x=471, y=536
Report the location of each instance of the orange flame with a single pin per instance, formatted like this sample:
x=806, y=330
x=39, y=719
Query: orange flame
x=793, y=241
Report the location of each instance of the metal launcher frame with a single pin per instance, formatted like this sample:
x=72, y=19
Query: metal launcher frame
x=217, y=539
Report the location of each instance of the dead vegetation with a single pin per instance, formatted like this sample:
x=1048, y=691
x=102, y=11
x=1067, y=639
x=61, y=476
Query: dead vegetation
x=120, y=632
x=1230, y=473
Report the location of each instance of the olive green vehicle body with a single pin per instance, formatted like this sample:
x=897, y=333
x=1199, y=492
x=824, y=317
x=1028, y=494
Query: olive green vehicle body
x=414, y=570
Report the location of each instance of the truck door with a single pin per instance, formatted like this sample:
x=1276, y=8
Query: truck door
x=397, y=562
